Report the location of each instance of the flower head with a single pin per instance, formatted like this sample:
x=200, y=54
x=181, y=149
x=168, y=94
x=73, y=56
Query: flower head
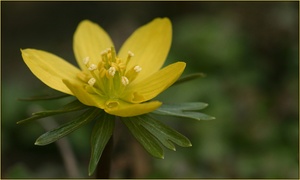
x=120, y=83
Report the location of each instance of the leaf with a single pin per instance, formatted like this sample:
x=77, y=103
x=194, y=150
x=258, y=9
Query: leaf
x=190, y=106
x=165, y=134
x=189, y=78
x=72, y=106
x=67, y=128
x=144, y=137
x=186, y=110
x=102, y=131
x=44, y=97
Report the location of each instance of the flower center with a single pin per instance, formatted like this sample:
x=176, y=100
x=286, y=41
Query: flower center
x=110, y=76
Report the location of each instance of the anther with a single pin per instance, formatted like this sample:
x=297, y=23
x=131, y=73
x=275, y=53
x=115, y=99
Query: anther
x=137, y=69
x=92, y=67
x=124, y=80
x=92, y=81
x=112, y=71
x=130, y=54
x=86, y=60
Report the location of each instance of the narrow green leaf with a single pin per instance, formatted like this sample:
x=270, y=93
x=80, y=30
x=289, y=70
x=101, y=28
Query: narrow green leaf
x=190, y=106
x=44, y=97
x=193, y=115
x=102, y=131
x=72, y=106
x=189, y=78
x=144, y=137
x=164, y=133
x=186, y=110
x=67, y=128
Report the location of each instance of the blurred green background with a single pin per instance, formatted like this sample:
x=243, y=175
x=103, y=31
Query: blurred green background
x=249, y=51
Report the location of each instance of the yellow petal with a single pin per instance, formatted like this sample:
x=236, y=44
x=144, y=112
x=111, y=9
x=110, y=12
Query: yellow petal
x=150, y=45
x=89, y=41
x=125, y=109
x=50, y=69
x=84, y=97
x=153, y=85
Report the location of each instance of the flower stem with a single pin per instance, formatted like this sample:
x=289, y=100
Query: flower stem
x=103, y=168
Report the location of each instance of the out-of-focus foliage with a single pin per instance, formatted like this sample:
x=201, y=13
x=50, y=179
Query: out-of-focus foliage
x=249, y=52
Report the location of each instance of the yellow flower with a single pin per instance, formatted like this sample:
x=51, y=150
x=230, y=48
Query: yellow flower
x=121, y=84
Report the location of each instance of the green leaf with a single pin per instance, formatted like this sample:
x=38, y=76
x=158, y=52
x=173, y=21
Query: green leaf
x=190, y=106
x=44, y=97
x=186, y=110
x=144, y=137
x=165, y=134
x=67, y=128
x=102, y=131
x=73, y=106
x=189, y=78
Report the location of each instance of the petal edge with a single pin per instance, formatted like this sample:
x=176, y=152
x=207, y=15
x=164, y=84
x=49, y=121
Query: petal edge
x=126, y=109
x=155, y=84
x=50, y=69
x=150, y=44
x=89, y=41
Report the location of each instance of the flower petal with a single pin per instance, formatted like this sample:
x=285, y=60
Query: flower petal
x=153, y=85
x=84, y=97
x=89, y=41
x=150, y=45
x=125, y=109
x=50, y=69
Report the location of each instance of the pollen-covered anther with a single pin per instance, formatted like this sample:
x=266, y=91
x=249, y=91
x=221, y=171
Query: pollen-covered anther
x=124, y=80
x=86, y=60
x=92, y=81
x=112, y=71
x=137, y=69
x=130, y=54
x=92, y=67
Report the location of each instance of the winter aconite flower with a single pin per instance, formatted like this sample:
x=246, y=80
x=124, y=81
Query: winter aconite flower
x=122, y=83
x=114, y=86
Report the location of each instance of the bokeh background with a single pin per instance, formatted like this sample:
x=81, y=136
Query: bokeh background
x=248, y=50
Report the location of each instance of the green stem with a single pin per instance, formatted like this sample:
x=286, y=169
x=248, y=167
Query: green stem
x=103, y=168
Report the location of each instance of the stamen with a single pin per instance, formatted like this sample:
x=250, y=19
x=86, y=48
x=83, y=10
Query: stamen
x=92, y=67
x=112, y=71
x=86, y=60
x=137, y=69
x=92, y=81
x=130, y=54
x=124, y=80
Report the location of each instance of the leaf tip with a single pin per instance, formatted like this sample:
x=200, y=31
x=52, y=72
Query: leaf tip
x=91, y=173
x=36, y=143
